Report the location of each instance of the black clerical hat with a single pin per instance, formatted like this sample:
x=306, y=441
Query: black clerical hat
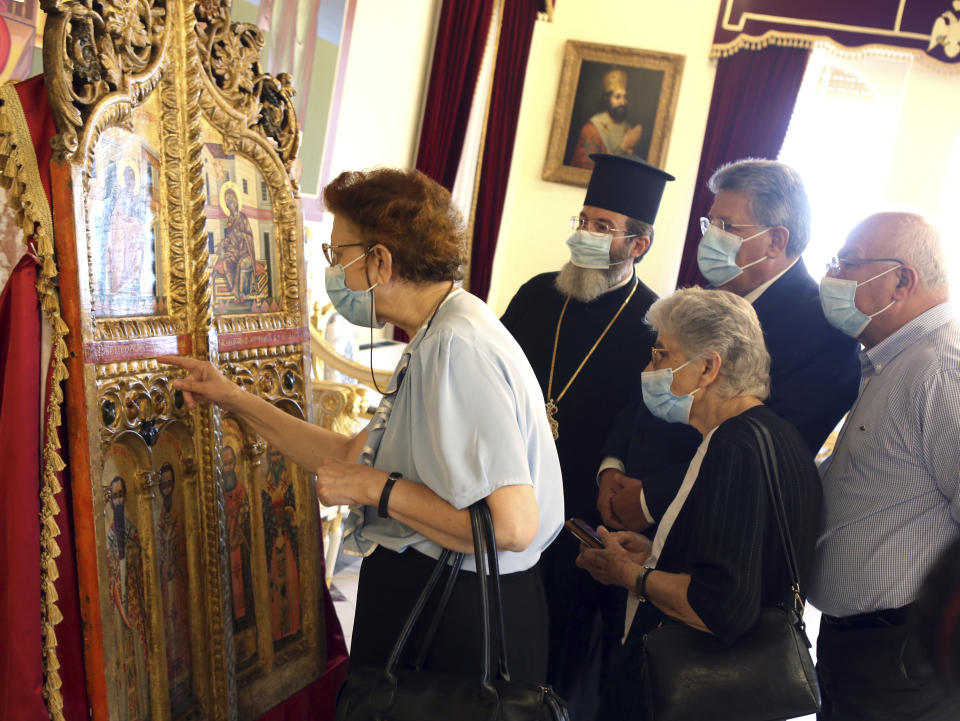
x=626, y=185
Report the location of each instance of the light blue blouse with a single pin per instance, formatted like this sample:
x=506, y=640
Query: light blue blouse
x=467, y=419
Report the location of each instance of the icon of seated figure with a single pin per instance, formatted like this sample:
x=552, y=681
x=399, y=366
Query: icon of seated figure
x=237, y=273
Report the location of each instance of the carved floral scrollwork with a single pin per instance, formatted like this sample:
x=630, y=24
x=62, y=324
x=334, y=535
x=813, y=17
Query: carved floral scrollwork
x=136, y=396
x=230, y=55
x=271, y=373
x=96, y=52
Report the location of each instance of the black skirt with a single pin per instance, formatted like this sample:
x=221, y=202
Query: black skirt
x=390, y=584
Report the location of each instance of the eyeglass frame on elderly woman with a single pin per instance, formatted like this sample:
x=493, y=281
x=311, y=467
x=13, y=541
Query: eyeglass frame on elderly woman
x=327, y=248
x=659, y=354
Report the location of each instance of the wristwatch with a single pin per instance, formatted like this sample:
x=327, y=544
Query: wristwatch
x=640, y=587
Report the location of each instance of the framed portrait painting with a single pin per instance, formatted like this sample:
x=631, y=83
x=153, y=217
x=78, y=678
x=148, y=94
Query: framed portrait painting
x=611, y=100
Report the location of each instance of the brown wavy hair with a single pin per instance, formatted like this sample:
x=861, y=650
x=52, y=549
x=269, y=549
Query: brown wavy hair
x=408, y=213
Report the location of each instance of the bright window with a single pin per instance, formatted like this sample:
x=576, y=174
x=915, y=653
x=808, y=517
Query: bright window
x=875, y=132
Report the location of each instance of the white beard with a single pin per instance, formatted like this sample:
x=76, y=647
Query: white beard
x=587, y=284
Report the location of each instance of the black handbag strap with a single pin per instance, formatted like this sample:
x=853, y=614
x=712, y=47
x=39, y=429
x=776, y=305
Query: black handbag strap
x=437, y=617
x=491, y=604
x=768, y=459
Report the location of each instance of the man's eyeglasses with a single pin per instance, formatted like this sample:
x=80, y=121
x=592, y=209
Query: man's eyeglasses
x=842, y=265
x=707, y=222
x=329, y=251
x=578, y=222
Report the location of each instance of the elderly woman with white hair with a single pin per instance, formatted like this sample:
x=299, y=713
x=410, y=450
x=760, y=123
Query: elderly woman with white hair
x=716, y=558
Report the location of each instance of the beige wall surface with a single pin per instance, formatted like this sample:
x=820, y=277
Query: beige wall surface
x=388, y=63
x=535, y=212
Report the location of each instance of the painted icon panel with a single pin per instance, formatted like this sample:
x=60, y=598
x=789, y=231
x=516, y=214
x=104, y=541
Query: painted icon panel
x=127, y=623
x=241, y=234
x=124, y=224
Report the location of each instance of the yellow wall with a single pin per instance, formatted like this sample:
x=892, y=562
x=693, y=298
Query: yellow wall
x=535, y=213
x=387, y=69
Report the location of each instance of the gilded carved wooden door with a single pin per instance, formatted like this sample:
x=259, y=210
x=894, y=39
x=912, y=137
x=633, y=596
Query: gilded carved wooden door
x=178, y=230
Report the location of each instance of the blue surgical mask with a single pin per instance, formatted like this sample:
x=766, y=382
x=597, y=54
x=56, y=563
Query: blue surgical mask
x=838, y=297
x=717, y=255
x=590, y=250
x=661, y=400
x=356, y=306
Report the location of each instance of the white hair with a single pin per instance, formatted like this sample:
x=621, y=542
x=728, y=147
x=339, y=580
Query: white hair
x=918, y=243
x=706, y=321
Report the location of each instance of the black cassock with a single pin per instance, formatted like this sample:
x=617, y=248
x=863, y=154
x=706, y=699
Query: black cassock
x=586, y=618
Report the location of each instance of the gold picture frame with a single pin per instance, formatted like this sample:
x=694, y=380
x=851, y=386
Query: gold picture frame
x=582, y=122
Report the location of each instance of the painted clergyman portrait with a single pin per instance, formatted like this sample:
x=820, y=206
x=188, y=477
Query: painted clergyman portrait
x=612, y=100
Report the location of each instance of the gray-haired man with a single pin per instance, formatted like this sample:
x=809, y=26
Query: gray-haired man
x=891, y=489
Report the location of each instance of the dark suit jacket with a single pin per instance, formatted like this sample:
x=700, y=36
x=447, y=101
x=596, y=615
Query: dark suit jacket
x=814, y=379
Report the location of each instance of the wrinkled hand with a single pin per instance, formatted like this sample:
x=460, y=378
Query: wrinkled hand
x=611, y=483
x=203, y=382
x=631, y=138
x=626, y=505
x=621, y=559
x=340, y=483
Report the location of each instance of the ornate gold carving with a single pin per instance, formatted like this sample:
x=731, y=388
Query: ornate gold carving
x=338, y=405
x=230, y=55
x=272, y=373
x=99, y=57
x=137, y=391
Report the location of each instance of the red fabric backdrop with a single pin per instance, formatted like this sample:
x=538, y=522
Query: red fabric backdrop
x=753, y=98
x=457, y=54
x=21, y=662
x=519, y=17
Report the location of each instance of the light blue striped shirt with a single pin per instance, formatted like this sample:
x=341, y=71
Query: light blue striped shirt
x=891, y=504
x=466, y=419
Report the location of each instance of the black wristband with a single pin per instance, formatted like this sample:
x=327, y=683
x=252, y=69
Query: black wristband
x=641, y=584
x=382, y=509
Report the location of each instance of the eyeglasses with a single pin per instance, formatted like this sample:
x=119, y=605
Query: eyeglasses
x=842, y=265
x=707, y=222
x=659, y=355
x=329, y=251
x=578, y=222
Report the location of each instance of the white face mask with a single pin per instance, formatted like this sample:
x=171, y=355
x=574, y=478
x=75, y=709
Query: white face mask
x=717, y=255
x=838, y=298
x=590, y=250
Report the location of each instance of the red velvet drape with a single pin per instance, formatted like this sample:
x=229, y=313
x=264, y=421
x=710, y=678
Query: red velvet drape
x=519, y=17
x=457, y=54
x=21, y=657
x=753, y=98
x=21, y=643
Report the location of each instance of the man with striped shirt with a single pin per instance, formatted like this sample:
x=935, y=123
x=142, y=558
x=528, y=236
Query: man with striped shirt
x=891, y=503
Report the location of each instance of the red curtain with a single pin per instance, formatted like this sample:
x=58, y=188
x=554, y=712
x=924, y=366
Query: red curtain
x=753, y=98
x=21, y=648
x=458, y=52
x=21, y=644
x=519, y=17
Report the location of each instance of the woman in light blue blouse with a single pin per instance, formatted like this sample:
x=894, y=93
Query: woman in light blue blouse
x=462, y=419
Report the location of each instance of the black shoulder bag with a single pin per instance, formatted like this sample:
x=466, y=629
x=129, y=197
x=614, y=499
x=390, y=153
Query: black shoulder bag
x=395, y=694
x=689, y=675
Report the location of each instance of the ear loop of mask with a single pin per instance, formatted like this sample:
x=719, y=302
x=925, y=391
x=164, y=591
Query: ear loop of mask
x=373, y=303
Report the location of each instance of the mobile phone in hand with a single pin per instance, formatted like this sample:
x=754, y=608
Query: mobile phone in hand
x=584, y=532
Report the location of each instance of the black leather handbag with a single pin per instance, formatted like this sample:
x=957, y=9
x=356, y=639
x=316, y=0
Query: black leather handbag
x=688, y=675
x=395, y=694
